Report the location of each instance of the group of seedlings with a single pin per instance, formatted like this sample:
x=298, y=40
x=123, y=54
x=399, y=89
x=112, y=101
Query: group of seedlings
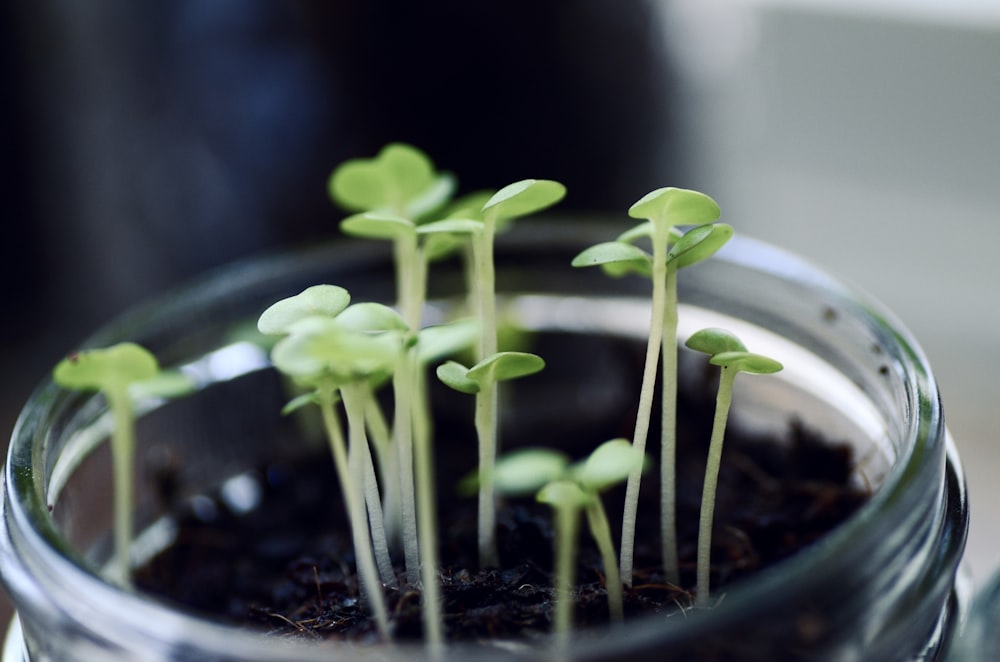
x=338, y=353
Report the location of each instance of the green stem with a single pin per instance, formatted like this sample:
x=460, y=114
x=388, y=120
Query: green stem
x=668, y=439
x=722, y=403
x=485, y=430
x=567, y=524
x=348, y=464
x=411, y=287
x=645, y=405
x=486, y=399
x=122, y=459
x=388, y=466
x=427, y=518
x=597, y=520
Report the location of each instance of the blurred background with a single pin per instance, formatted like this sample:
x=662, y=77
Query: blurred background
x=146, y=143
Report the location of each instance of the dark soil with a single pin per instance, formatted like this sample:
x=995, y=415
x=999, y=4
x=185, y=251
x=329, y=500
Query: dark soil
x=287, y=566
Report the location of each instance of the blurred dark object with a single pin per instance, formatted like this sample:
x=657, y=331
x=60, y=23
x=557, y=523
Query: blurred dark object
x=159, y=139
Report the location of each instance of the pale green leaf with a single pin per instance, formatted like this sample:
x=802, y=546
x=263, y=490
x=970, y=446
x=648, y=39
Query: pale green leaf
x=753, y=364
x=371, y=316
x=318, y=300
x=437, y=342
x=299, y=402
x=715, y=341
x=505, y=365
x=111, y=369
x=610, y=463
x=675, y=206
x=699, y=244
x=377, y=225
x=461, y=226
x=456, y=376
x=564, y=494
x=524, y=197
x=166, y=384
x=611, y=252
x=526, y=470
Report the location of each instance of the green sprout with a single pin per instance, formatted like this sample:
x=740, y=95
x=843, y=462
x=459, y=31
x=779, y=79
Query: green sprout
x=729, y=353
x=569, y=489
x=338, y=354
x=392, y=193
x=113, y=371
x=515, y=200
x=483, y=378
x=664, y=209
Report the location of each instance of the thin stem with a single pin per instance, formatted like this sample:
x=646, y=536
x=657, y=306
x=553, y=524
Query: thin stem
x=722, y=403
x=668, y=438
x=486, y=399
x=351, y=489
x=597, y=519
x=567, y=524
x=388, y=466
x=376, y=519
x=485, y=429
x=411, y=288
x=122, y=459
x=427, y=518
x=645, y=406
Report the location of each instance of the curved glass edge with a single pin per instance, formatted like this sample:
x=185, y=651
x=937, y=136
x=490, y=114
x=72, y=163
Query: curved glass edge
x=925, y=385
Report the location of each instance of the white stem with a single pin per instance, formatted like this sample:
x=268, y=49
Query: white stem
x=645, y=407
x=347, y=464
x=722, y=402
x=668, y=438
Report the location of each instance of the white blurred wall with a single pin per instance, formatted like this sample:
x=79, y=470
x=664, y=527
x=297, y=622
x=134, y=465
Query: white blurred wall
x=865, y=135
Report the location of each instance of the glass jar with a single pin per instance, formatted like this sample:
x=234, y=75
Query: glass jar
x=879, y=587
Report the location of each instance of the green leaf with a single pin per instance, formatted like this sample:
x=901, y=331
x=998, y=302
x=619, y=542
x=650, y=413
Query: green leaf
x=527, y=470
x=675, y=206
x=715, y=341
x=699, y=244
x=562, y=494
x=505, y=365
x=370, y=316
x=610, y=463
x=434, y=197
x=377, y=225
x=613, y=252
x=753, y=364
x=524, y=197
x=111, y=369
x=436, y=342
x=332, y=351
x=299, y=402
x=461, y=226
x=166, y=384
x=456, y=376
x=318, y=300
x=400, y=178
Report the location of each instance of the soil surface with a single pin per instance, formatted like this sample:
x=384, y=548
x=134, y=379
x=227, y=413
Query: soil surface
x=287, y=565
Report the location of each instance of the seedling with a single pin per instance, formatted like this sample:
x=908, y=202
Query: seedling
x=339, y=356
x=113, y=371
x=479, y=379
x=663, y=209
x=570, y=489
x=729, y=353
x=515, y=200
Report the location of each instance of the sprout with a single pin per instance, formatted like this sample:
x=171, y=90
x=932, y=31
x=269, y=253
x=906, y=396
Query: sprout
x=729, y=353
x=570, y=489
x=114, y=371
x=481, y=379
x=664, y=209
x=338, y=355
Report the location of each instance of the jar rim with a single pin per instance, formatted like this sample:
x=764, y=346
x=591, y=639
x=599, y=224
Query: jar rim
x=928, y=453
